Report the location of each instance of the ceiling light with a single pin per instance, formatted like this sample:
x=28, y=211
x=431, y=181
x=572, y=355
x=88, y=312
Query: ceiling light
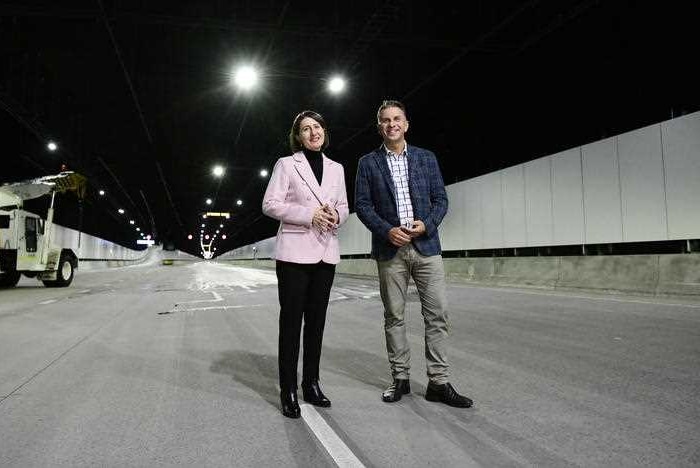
x=246, y=77
x=218, y=171
x=336, y=85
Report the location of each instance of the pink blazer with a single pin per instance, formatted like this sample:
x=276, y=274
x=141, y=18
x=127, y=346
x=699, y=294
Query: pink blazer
x=292, y=196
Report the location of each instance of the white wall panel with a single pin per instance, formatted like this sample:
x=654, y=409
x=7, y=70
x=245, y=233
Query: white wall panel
x=605, y=192
x=492, y=210
x=642, y=185
x=681, y=150
x=453, y=225
x=567, y=198
x=514, y=220
x=93, y=247
x=266, y=247
x=474, y=229
x=601, y=192
x=354, y=237
x=538, y=201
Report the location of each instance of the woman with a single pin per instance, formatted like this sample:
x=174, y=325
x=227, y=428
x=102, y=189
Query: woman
x=307, y=194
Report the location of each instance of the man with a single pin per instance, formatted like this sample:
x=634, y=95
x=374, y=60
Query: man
x=400, y=196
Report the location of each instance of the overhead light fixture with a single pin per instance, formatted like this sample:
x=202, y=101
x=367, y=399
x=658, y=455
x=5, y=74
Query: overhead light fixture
x=246, y=77
x=218, y=171
x=336, y=85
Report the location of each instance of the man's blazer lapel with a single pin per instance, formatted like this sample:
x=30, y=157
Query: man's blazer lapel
x=413, y=172
x=380, y=159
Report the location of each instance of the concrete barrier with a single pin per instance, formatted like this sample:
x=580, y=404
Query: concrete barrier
x=154, y=255
x=265, y=263
x=679, y=274
x=658, y=275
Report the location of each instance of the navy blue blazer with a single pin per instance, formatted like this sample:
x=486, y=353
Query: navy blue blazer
x=375, y=199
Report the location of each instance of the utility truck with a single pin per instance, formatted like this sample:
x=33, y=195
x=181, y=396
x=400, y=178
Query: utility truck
x=27, y=240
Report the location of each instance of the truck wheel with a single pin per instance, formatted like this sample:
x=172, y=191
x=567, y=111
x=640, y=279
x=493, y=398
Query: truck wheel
x=64, y=275
x=9, y=279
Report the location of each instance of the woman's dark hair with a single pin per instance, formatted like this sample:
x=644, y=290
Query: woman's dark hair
x=294, y=143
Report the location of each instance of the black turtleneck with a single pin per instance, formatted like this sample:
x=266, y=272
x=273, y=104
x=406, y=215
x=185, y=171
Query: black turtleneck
x=316, y=163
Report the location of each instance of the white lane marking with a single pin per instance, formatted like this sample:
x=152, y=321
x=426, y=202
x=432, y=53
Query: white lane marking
x=210, y=276
x=224, y=307
x=611, y=299
x=217, y=298
x=84, y=291
x=50, y=301
x=335, y=447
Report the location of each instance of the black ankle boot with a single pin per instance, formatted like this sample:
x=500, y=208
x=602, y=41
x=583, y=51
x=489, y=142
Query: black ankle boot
x=397, y=389
x=314, y=395
x=290, y=404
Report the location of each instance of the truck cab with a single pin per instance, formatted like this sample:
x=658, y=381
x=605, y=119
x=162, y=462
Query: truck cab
x=25, y=237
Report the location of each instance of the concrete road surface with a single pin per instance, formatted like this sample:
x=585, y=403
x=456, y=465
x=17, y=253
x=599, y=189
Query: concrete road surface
x=158, y=366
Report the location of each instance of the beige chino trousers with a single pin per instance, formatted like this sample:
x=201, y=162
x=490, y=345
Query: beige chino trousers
x=429, y=275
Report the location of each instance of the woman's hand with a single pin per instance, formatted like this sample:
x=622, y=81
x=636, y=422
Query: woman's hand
x=323, y=220
x=333, y=212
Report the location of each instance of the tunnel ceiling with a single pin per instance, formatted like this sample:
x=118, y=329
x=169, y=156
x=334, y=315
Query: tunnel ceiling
x=138, y=95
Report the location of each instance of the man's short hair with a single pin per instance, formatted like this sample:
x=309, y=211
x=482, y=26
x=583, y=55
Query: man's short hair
x=391, y=103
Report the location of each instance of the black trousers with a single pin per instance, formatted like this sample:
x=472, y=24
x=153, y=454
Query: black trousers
x=304, y=290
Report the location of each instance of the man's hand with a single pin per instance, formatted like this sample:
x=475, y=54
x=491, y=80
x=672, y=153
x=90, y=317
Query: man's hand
x=398, y=236
x=418, y=229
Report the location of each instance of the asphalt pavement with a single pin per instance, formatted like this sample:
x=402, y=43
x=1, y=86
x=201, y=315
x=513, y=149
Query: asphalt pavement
x=154, y=365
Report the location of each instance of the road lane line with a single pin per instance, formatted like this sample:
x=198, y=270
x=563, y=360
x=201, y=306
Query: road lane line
x=224, y=307
x=335, y=447
x=217, y=298
x=50, y=301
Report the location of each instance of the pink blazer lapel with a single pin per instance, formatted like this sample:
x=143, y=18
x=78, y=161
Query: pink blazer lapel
x=328, y=181
x=303, y=169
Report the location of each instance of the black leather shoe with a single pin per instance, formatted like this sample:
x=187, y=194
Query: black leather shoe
x=290, y=404
x=314, y=395
x=396, y=390
x=447, y=394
